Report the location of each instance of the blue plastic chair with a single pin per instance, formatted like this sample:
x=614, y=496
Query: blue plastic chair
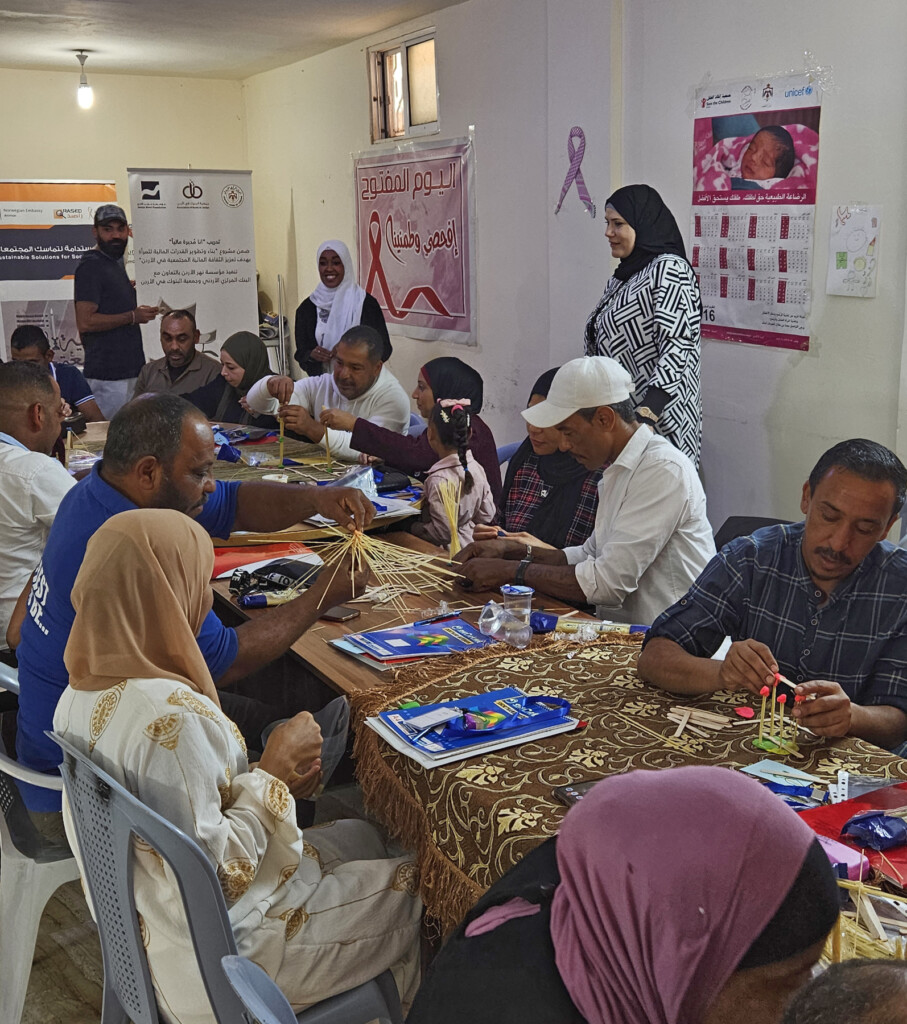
x=417, y=425
x=106, y=816
x=506, y=452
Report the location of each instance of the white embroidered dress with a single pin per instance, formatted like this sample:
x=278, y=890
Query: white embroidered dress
x=320, y=914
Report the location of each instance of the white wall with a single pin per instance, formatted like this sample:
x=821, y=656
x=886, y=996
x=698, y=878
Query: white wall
x=522, y=72
x=769, y=414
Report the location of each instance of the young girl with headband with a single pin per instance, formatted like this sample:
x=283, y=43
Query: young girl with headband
x=449, y=428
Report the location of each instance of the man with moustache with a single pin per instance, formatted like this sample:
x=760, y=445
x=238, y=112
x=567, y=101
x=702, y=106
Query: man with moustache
x=107, y=314
x=823, y=601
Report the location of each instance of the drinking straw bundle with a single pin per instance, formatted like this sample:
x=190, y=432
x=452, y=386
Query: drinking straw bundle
x=450, y=491
x=395, y=567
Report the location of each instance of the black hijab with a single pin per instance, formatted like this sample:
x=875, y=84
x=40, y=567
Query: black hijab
x=656, y=230
x=560, y=473
x=449, y=377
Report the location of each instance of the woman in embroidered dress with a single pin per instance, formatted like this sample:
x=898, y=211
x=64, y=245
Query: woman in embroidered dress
x=320, y=914
x=649, y=316
x=336, y=305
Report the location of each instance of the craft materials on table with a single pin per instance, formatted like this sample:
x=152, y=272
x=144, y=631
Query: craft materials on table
x=872, y=925
x=438, y=734
x=424, y=639
x=779, y=738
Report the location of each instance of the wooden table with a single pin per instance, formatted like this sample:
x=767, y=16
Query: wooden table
x=343, y=673
x=471, y=821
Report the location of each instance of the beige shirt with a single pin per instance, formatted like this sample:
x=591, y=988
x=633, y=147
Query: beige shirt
x=154, y=377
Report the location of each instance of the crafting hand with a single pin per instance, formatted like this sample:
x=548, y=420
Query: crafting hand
x=829, y=714
x=280, y=388
x=488, y=573
x=321, y=354
x=65, y=408
x=298, y=419
x=749, y=665
x=368, y=460
x=348, y=505
x=145, y=314
x=337, y=419
x=492, y=549
x=336, y=583
x=293, y=754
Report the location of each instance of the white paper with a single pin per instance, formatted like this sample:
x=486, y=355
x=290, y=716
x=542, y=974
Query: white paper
x=853, y=249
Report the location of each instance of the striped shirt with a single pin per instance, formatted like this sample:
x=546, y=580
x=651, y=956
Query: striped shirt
x=759, y=588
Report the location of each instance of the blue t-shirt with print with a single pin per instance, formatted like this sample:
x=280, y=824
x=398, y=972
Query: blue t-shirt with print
x=45, y=631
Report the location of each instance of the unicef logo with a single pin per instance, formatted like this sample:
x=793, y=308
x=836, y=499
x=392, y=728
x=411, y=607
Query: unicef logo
x=232, y=195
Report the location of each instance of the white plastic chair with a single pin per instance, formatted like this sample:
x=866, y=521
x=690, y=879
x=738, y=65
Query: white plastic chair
x=106, y=816
x=32, y=868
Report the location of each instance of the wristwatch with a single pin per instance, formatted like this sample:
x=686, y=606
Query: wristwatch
x=645, y=413
x=520, y=575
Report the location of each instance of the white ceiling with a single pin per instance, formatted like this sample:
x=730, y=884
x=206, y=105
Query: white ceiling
x=195, y=38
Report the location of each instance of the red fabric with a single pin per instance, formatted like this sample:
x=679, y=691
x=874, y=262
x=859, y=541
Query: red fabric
x=233, y=558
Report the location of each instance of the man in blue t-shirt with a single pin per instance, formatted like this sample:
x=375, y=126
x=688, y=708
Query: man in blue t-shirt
x=29, y=344
x=107, y=314
x=159, y=454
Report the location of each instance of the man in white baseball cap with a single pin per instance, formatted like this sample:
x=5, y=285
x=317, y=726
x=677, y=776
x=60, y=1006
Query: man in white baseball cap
x=651, y=537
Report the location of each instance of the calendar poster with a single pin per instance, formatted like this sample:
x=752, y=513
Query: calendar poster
x=755, y=160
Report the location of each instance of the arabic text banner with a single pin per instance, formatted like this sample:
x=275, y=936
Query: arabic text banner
x=195, y=249
x=415, y=234
x=755, y=161
x=45, y=228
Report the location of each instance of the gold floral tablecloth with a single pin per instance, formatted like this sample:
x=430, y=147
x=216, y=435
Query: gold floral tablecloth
x=471, y=821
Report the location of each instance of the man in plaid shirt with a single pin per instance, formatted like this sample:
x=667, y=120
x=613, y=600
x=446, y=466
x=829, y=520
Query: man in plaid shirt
x=824, y=602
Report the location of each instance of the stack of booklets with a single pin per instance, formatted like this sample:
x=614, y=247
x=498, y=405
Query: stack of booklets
x=384, y=648
x=435, y=734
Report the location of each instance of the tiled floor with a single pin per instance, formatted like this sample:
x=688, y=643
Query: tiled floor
x=66, y=982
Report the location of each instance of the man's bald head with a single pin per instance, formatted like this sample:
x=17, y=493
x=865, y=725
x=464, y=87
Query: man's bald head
x=148, y=425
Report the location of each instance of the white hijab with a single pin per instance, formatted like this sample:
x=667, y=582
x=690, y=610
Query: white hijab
x=344, y=303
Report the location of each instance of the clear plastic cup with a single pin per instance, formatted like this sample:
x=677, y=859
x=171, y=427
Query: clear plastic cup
x=518, y=601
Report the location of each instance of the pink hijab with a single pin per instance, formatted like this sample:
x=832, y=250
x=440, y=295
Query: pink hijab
x=667, y=878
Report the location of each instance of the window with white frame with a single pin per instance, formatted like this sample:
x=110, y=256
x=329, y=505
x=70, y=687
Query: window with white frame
x=404, y=88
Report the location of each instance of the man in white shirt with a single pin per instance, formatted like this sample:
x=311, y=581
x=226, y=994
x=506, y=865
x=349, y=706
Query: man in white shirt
x=32, y=484
x=651, y=537
x=359, y=383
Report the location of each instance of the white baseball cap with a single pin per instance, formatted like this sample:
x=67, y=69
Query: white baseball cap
x=584, y=383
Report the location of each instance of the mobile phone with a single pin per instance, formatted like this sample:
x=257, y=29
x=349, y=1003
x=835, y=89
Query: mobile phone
x=340, y=613
x=574, y=792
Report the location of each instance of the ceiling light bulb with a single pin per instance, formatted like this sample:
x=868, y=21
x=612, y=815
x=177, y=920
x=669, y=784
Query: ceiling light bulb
x=85, y=94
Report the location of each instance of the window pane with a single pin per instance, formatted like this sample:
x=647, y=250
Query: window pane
x=393, y=85
x=423, y=92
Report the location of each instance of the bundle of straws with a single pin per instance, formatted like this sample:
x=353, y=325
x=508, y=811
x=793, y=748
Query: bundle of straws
x=861, y=931
x=395, y=567
x=450, y=491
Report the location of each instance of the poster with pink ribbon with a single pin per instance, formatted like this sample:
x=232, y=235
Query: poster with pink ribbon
x=414, y=211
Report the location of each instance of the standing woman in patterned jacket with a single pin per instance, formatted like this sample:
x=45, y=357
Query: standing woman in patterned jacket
x=649, y=316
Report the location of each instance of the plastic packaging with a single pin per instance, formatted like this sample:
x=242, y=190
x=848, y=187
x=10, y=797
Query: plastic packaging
x=500, y=623
x=361, y=477
x=876, y=829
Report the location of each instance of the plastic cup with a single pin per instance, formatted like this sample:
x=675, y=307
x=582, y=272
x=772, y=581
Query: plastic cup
x=518, y=601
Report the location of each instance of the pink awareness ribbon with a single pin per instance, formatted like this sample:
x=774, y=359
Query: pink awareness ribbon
x=574, y=173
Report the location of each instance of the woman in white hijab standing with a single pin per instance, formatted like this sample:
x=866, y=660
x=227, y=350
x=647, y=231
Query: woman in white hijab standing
x=337, y=304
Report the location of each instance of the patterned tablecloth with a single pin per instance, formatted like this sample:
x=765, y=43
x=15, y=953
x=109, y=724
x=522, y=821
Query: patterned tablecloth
x=471, y=821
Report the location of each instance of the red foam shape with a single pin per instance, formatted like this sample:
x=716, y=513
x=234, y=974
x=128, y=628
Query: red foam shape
x=745, y=712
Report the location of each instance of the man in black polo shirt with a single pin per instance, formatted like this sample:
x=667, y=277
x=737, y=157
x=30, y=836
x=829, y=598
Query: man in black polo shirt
x=107, y=315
